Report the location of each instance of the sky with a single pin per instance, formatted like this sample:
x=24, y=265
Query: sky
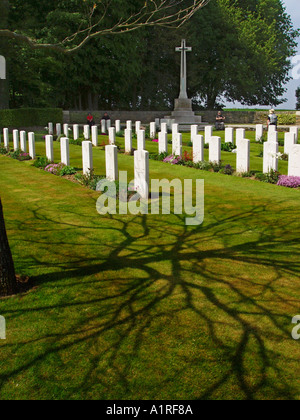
x=293, y=9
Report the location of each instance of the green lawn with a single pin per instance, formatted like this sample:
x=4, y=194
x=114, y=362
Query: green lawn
x=143, y=307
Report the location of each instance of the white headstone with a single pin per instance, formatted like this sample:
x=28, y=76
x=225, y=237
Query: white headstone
x=87, y=157
x=2, y=67
x=240, y=135
x=95, y=135
x=129, y=125
x=259, y=132
x=141, y=172
x=215, y=149
x=108, y=124
x=243, y=156
x=294, y=161
x=112, y=135
x=162, y=142
x=65, y=151
x=6, y=137
x=177, y=145
x=157, y=123
x=175, y=130
x=58, y=129
x=152, y=130
x=86, y=132
x=49, y=148
x=295, y=130
x=31, y=145
x=16, y=139
x=141, y=140
x=66, y=130
x=194, y=132
x=270, y=156
x=229, y=135
x=103, y=126
x=50, y=129
x=273, y=136
x=289, y=141
x=208, y=133
x=23, y=143
x=111, y=161
x=198, y=149
x=272, y=128
x=128, y=140
x=118, y=126
x=75, y=131
x=164, y=128
x=137, y=126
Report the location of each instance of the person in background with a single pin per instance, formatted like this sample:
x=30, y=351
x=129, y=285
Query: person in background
x=220, y=119
x=272, y=118
x=90, y=120
x=106, y=116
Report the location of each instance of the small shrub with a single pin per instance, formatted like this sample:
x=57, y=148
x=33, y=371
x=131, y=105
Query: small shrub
x=272, y=177
x=3, y=150
x=55, y=168
x=216, y=167
x=227, y=170
x=19, y=155
x=228, y=147
x=203, y=166
x=90, y=180
x=190, y=144
x=41, y=162
x=285, y=157
x=120, y=133
x=247, y=174
x=67, y=170
x=286, y=119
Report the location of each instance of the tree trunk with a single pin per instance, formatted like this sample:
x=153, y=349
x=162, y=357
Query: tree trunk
x=8, y=282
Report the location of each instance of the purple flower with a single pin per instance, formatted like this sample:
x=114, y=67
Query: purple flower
x=289, y=181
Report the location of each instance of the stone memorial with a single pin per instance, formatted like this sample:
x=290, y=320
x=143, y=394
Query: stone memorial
x=65, y=151
x=272, y=128
x=129, y=125
x=273, y=136
x=194, y=132
x=208, y=133
x=141, y=173
x=58, y=129
x=137, y=126
x=198, y=148
x=111, y=161
x=128, y=140
x=118, y=126
x=50, y=129
x=2, y=68
x=141, y=140
x=294, y=161
x=103, y=126
x=16, y=139
x=31, y=145
x=87, y=157
x=162, y=142
x=66, y=130
x=108, y=124
x=49, y=148
x=289, y=141
x=240, y=135
x=112, y=135
x=215, y=149
x=6, y=137
x=229, y=135
x=86, y=132
x=243, y=156
x=259, y=132
x=270, y=157
x=95, y=135
x=177, y=145
x=23, y=142
x=75, y=131
x=295, y=130
x=152, y=130
x=164, y=127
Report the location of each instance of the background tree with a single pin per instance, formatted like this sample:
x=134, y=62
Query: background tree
x=241, y=52
x=298, y=98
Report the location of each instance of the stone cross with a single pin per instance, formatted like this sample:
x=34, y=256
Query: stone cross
x=183, y=88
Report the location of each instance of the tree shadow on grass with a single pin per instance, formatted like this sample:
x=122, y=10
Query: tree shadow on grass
x=147, y=281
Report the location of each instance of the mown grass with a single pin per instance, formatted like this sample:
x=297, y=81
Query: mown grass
x=144, y=307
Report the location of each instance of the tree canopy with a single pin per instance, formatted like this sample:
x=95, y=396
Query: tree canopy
x=241, y=52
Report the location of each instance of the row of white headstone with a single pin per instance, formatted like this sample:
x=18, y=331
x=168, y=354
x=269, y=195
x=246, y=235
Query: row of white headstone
x=20, y=141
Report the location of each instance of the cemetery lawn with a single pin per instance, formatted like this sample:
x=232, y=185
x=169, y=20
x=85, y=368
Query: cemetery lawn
x=144, y=307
